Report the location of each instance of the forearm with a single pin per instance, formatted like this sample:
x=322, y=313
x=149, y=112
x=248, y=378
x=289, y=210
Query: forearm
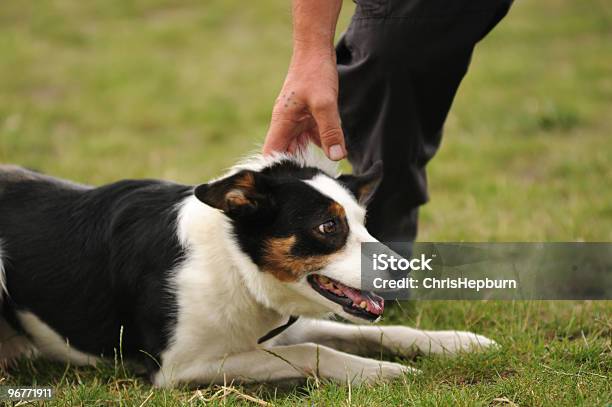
x=307, y=107
x=314, y=26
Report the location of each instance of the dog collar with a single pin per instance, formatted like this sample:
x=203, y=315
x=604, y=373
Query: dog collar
x=276, y=331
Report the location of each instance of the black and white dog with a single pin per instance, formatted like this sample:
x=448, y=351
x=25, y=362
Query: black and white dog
x=188, y=280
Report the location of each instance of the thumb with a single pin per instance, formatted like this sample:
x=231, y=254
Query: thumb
x=330, y=132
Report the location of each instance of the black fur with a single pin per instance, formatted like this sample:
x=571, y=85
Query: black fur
x=278, y=204
x=365, y=185
x=88, y=261
x=91, y=261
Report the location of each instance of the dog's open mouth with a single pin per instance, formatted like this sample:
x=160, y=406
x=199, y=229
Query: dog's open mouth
x=363, y=304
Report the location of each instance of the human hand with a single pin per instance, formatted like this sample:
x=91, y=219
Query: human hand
x=307, y=107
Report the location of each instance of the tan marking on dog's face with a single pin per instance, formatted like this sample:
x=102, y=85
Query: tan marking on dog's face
x=365, y=191
x=335, y=209
x=246, y=182
x=236, y=198
x=285, y=266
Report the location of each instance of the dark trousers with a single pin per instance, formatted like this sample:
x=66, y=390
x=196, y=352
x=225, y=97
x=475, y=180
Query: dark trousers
x=400, y=63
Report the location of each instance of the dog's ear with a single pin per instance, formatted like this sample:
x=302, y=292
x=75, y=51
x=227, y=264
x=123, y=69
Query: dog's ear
x=363, y=186
x=241, y=195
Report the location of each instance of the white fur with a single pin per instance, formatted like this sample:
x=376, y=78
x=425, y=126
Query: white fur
x=50, y=343
x=398, y=340
x=13, y=345
x=309, y=156
x=241, y=302
x=225, y=303
x=347, y=266
x=211, y=291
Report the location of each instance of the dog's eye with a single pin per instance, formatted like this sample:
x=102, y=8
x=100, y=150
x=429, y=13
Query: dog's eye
x=328, y=227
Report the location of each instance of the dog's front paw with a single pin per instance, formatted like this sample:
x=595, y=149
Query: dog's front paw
x=408, y=342
x=452, y=342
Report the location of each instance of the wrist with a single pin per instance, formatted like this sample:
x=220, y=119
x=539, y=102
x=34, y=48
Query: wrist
x=308, y=50
x=313, y=55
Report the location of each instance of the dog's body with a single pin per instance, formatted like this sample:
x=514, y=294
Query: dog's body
x=187, y=280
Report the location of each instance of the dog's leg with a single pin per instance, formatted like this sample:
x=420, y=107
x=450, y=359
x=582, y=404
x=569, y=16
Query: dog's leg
x=374, y=340
x=279, y=363
x=13, y=345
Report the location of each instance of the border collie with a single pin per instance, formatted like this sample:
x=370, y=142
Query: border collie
x=198, y=283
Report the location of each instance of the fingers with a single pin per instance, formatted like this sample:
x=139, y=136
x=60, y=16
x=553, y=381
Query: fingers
x=280, y=135
x=296, y=119
x=293, y=146
x=331, y=137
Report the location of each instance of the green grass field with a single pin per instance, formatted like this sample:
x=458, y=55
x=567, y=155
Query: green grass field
x=107, y=89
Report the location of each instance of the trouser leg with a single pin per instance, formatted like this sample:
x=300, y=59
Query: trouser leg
x=400, y=64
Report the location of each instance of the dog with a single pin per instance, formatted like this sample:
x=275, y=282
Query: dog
x=201, y=285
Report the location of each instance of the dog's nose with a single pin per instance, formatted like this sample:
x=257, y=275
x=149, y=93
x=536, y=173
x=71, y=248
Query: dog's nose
x=370, y=253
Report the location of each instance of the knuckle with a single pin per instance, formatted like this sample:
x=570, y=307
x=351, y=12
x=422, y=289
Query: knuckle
x=323, y=103
x=284, y=118
x=330, y=134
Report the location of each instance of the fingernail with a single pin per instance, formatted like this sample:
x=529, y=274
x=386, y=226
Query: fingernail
x=336, y=152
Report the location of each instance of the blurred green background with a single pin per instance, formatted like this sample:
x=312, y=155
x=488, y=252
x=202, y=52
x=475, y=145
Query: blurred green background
x=101, y=90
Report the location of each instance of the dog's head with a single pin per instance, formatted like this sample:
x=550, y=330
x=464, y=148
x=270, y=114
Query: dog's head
x=298, y=230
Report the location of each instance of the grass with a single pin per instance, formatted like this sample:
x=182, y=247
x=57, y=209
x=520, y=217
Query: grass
x=101, y=90
x=552, y=353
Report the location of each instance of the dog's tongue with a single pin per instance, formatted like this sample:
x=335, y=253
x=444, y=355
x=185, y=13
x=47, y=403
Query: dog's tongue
x=373, y=303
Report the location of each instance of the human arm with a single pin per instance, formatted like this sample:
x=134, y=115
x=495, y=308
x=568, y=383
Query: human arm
x=307, y=106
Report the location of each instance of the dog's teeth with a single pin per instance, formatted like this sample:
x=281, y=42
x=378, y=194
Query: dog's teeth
x=323, y=279
x=363, y=305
